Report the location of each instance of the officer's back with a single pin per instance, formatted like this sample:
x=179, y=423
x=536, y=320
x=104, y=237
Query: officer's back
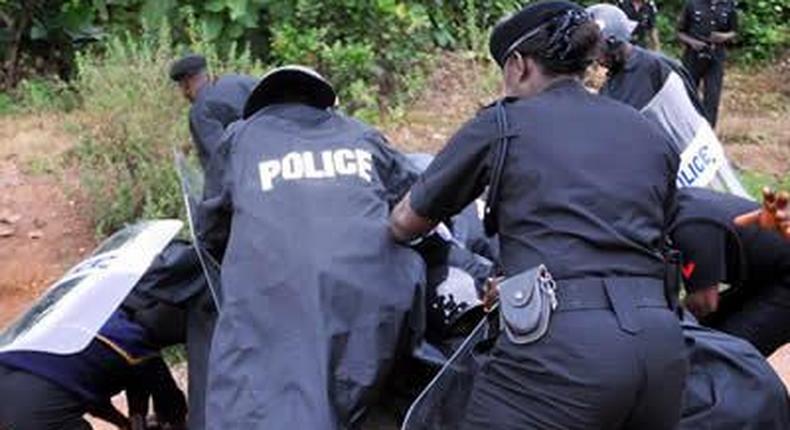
x=315, y=292
x=584, y=197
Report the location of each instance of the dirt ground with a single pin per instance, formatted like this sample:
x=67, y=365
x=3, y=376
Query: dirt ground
x=45, y=226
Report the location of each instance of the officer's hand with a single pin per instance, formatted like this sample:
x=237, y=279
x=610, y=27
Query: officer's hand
x=697, y=45
x=718, y=37
x=774, y=214
x=703, y=302
x=491, y=295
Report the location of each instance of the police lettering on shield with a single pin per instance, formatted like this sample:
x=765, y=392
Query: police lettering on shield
x=304, y=165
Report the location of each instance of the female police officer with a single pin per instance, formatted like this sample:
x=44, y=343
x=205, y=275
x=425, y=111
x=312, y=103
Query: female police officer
x=580, y=195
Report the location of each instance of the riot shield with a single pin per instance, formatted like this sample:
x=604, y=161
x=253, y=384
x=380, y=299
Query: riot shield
x=702, y=161
x=70, y=313
x=442, y=404
x=192, y=188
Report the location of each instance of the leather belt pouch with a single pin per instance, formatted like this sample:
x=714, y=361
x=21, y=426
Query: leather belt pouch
x=526, y=302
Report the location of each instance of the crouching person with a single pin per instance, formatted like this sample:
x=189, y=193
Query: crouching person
x=43, y=391
x=315, y=292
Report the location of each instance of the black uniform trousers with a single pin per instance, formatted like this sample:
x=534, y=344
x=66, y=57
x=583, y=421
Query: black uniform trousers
x=708, y=68
x=759, y=315
x=614, y=363
x=28, y=402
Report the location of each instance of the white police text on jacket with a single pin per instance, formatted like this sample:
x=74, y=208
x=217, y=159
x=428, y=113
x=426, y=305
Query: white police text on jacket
x=310, y=165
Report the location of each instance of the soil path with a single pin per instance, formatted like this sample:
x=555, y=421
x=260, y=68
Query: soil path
x=43, y=229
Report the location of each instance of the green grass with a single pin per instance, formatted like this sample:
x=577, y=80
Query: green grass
x=755, y=181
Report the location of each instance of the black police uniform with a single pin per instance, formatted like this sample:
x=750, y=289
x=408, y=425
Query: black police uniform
x=755, y=263
x=644, y=16
x=642, y=76
x=579, y=196
x=43, y=391
x=216, y=106
x=315, y=292
x=698, y=19
x=730, y=385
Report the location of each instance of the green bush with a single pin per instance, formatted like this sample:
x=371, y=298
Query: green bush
x=132, y=117
x=368, y=49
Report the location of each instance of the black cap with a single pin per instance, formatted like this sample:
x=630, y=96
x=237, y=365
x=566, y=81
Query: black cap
x=189, y=65
x=514, y=30
x=286, y=80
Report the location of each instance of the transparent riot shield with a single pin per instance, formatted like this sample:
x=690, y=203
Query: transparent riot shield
x=703, y=162
x=70, y=313
x=442, y=404
x=192, y=188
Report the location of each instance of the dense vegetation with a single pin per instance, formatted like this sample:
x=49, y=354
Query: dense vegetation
x=109, y=58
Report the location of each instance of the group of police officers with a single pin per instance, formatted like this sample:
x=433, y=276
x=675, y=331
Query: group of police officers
x=320, y=227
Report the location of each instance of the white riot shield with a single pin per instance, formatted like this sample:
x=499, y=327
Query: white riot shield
x=70, y=313
x=192, y=189
x=442, y=404
x=702, y=161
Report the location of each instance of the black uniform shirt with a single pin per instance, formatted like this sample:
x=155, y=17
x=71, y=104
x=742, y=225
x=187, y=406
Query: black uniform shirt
x=701, y=17
x=642, y=77
x=715, y=250
x=583, y=190
x=645, y=17
x=216, y=106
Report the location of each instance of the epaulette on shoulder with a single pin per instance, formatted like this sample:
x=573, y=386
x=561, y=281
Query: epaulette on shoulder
x=493, y=103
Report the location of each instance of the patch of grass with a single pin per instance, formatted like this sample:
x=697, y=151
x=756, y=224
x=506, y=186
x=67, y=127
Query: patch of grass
x=755, y=181
x=45, y=95
x=42, y=165
x=7, y=104
x=175, y=354
x=131, y=118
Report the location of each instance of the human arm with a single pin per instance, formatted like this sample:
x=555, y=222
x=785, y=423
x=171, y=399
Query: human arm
x=458, y=174
x=396, y=171
x=107, y=412
x=206, y=130
x=722, y=37
x=774, y=215
x=682, y=28
x=703, y=249
x=214, y=212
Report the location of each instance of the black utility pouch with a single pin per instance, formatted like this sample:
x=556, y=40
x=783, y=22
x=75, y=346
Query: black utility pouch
x=526, y=302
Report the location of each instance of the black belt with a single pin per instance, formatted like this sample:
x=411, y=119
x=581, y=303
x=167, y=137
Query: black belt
x=623, y=295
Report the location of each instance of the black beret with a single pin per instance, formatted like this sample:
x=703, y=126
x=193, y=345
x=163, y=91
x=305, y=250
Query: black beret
x=510, y=32
x=293, y=79
x=187, y=66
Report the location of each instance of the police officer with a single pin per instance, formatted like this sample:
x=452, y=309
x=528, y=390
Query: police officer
x=755, y=264
x=634, y=74
x=43, y=391
x=644, y=13
x=215, y=102
x=577, y=195
x=705, y=27
x=315, y=292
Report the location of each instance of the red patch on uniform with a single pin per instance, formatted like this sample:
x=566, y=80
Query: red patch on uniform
x=688, y=269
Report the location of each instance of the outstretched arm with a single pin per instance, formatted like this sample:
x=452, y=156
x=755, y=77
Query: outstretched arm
x=773, y=215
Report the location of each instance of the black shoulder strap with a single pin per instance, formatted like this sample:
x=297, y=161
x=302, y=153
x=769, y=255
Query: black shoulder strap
x=490, y=221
